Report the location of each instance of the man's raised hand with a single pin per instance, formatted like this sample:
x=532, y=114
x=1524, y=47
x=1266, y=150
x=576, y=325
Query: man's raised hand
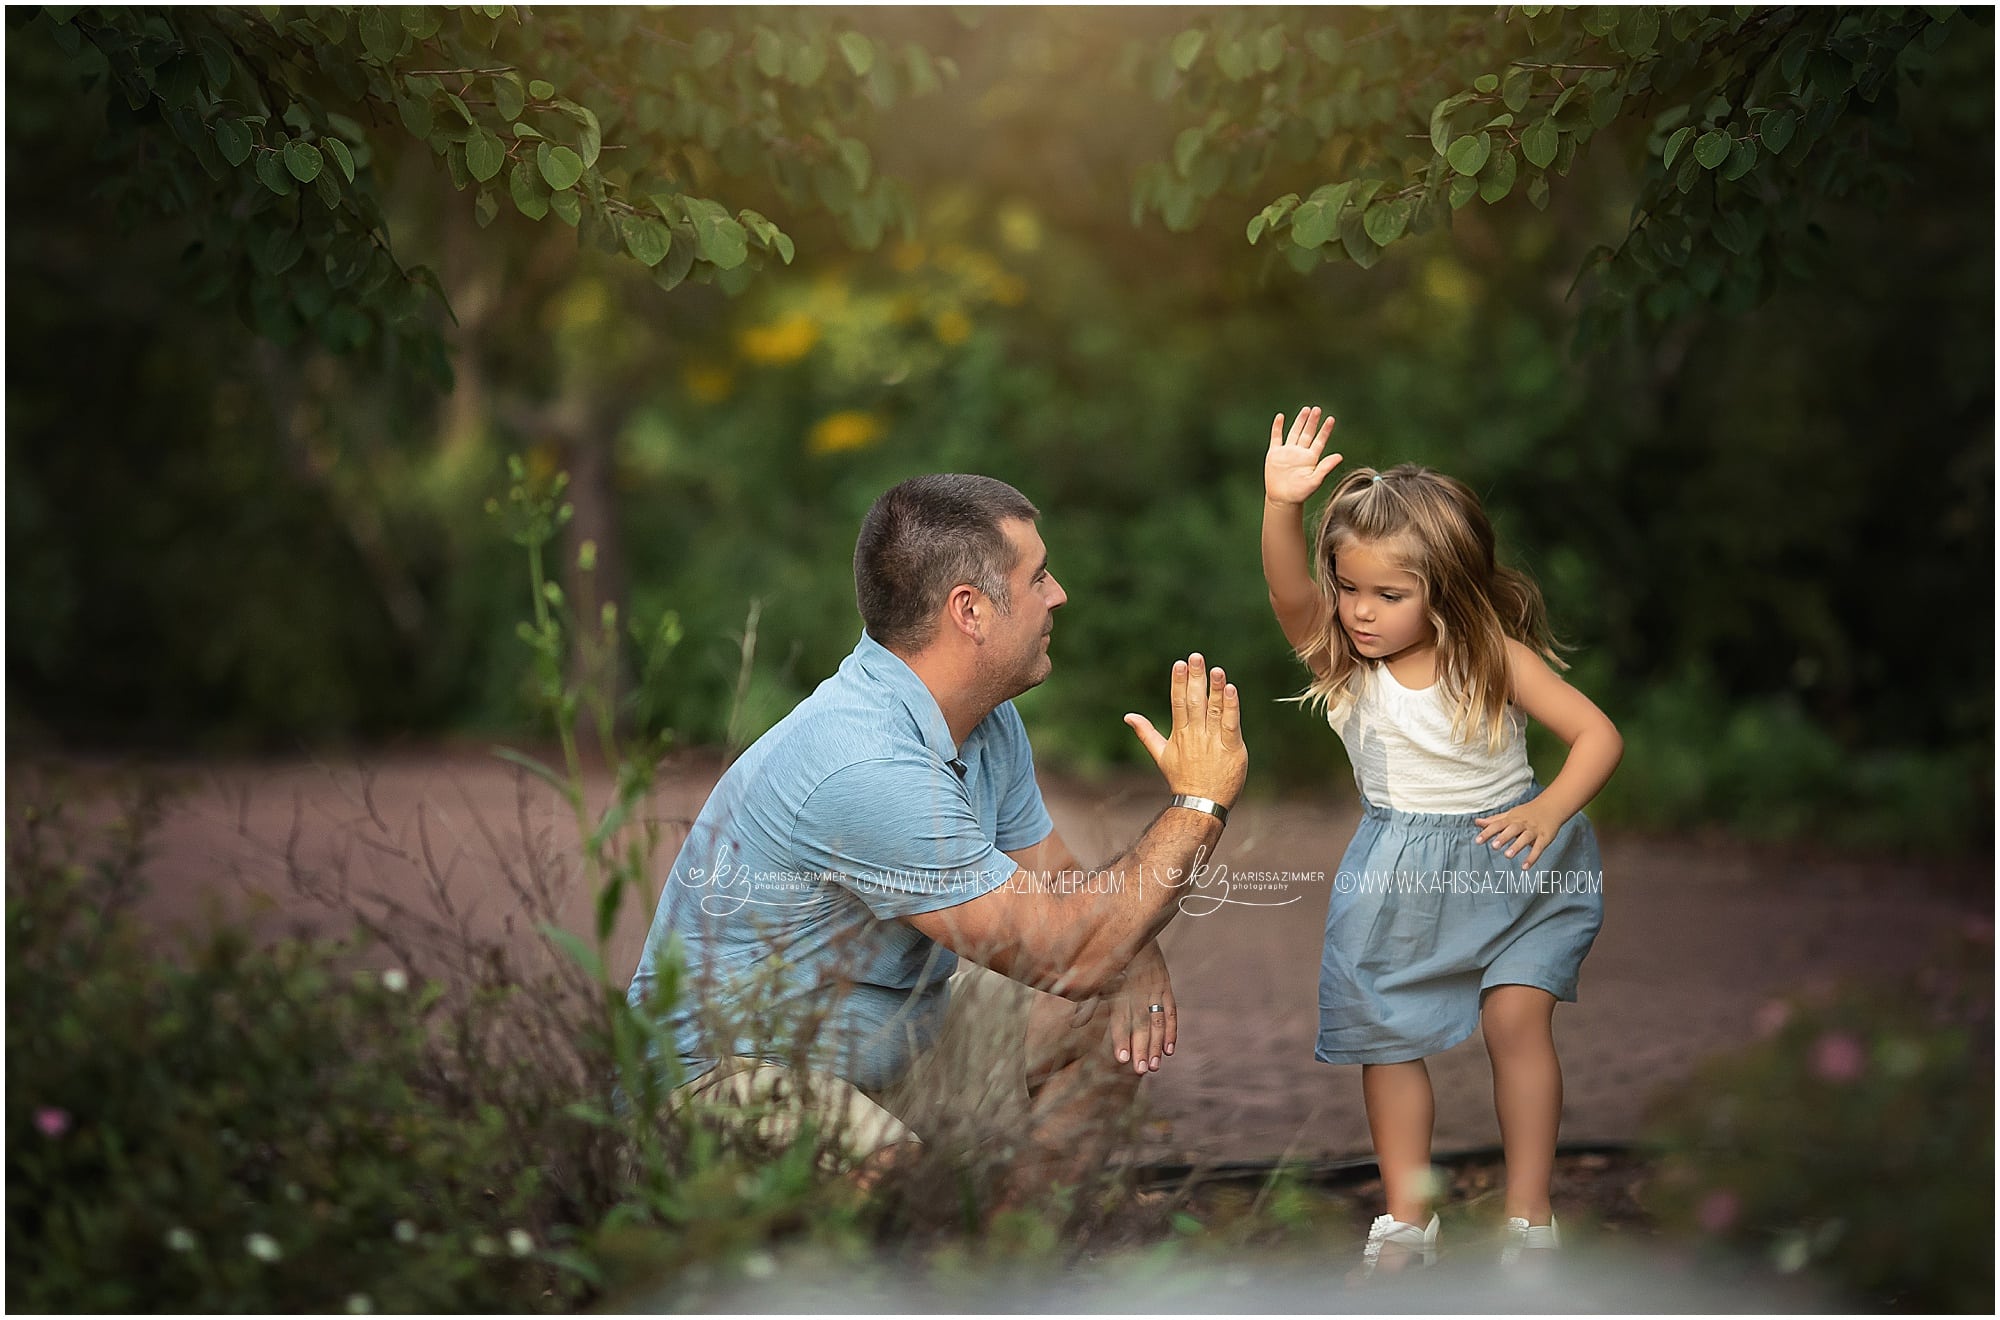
x=1293, y=468
x=1204, y=755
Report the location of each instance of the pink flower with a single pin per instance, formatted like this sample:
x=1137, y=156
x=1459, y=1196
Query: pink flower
x=1718, y=1211
x=52, y=1122
x=1771, y=1018
x=1838, y=1057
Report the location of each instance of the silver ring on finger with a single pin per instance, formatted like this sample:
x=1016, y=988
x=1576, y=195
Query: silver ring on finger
x=1156, y=1008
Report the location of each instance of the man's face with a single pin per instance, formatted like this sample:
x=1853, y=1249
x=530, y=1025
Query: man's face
x=1016, y=652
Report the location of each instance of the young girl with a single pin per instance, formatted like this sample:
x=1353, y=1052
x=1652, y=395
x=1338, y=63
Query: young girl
x=1470, y=893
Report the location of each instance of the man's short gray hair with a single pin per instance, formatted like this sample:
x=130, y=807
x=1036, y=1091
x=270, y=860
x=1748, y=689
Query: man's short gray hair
x=922, y=538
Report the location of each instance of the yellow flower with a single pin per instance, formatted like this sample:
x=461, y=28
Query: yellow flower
x=783, y=341
x=952, y=327
x=1020, y=227
x=843, y=431
x=707, y=383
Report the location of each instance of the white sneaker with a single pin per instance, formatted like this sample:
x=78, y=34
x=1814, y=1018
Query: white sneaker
x=1519, y=1235
x=1407, y=1239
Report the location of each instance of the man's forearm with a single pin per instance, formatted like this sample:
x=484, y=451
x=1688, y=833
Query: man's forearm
x=1126, y=904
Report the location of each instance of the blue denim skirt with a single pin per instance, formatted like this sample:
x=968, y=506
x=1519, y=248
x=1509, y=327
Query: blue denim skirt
x=1423, y=920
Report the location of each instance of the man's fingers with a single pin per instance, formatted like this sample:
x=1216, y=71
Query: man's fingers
x=1194, y=690
x=1218, y=686
x=1232, y=714
x=1177, y=693
x=1149, y=737
x=1173, y=1027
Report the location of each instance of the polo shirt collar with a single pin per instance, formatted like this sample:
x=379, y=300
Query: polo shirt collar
x=893, y=672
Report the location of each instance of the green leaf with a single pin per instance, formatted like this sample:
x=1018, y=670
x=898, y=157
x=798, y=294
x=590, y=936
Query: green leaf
x=559, y=165
x=1712, y=148
x=1271, y=48
x=645, y=238
x=589, y=138
x=1313, y=223
x=1186, y=48
x=540, y=89
x=1516, y=88
x=526, y=130
x=1777, y=130
x=484, y=155
x=709, y=48
x=783, y=243
x=341, y=157
x=1255, y=229
x=568, y=206
x=1385, y=222
x=1441, y=120
x=1463, y=189
x=1538, y=192
x=1497, y=179
x=271, y=169
x=531, y=195
x=1468, y=155
x=509, y=97
x=380, y=36
x=416, y=112
x=858, y=51
x=722, y=238
x=303, y=160
x=579, y=953
x=1539, y=143
x=1187, y=145
x=233, y=140
x=770, y=52
x=1674, y=145
x=854, y=155
x=1742, y=159
x=487, y=207
x=215, y=58
x=806, y=63
x=1486, y=82
x=1326, y=43
x=1232, y=57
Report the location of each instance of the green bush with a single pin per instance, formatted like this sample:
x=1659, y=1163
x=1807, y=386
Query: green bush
x=240, y=1128
x=1856, y=1139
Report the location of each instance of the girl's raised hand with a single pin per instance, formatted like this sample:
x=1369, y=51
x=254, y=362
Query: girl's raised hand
x=1293, y=468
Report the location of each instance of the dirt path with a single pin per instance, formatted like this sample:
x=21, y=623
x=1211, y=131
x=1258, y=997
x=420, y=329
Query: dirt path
x=1697, y=938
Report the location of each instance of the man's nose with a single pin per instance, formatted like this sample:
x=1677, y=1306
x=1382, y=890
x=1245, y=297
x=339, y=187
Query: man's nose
x=1062, y=597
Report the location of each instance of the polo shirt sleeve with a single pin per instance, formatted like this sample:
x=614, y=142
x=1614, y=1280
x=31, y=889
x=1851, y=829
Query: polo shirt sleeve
x=901, y=835
x=1024, y=819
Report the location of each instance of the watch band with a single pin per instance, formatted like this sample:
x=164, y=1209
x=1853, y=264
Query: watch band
x=1209, y=805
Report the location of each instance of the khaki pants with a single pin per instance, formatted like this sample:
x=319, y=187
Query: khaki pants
x=968, y=1091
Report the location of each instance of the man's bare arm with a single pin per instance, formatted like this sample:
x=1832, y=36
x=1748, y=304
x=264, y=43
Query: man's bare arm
x=1073, y=937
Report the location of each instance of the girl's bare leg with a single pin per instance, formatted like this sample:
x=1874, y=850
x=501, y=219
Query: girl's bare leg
x=1401, y=1110
x=1518, y=1021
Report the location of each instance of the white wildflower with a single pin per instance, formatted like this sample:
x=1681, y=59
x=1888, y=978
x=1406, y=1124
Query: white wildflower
x=395, y=980
x=263, y=1246
x=759, y=1265
x=485, y=1246
x=519, y=1242
x=406, y=1231
x=179, y=1239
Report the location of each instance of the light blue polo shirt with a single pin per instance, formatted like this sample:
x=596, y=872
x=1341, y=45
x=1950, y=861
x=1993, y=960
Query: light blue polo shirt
x=853, y=811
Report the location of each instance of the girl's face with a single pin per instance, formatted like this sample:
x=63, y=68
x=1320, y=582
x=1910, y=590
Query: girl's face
x=1382, y=605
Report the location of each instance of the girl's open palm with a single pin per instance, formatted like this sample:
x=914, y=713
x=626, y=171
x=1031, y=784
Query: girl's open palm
x=1293, y=468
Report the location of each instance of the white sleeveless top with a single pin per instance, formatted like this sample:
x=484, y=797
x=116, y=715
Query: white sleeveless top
x=1405, y=757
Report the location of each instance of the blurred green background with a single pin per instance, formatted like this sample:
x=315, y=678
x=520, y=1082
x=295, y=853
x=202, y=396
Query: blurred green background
x=1768, y=534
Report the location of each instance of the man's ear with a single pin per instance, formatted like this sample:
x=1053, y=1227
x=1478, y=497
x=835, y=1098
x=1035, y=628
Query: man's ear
x=966, y=612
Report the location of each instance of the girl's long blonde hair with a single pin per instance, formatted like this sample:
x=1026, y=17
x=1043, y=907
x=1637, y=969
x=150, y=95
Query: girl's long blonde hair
x=1434, y=526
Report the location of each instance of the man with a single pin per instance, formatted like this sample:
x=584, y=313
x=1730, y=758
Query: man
x=892, y=823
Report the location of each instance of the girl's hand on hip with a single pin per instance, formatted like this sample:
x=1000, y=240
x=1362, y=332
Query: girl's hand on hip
x=1521, y=827
x=1293, y=468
